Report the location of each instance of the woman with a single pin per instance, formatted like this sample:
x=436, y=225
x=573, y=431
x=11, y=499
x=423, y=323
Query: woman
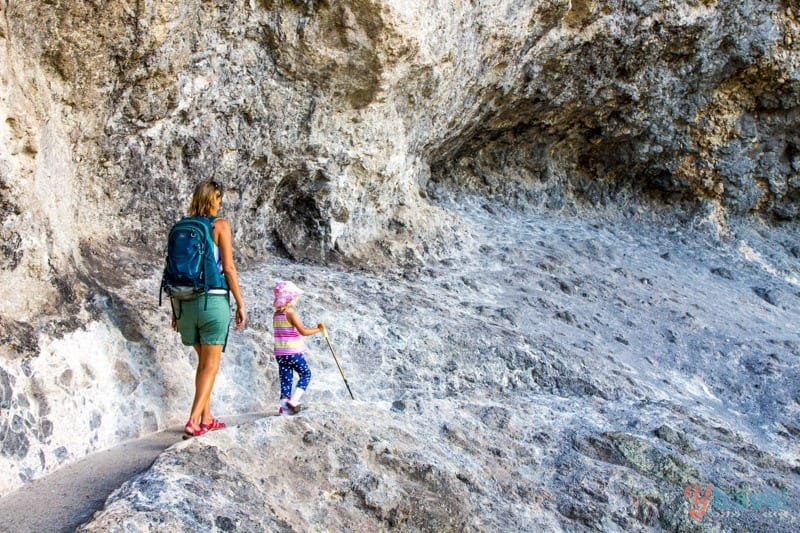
x=204, y=321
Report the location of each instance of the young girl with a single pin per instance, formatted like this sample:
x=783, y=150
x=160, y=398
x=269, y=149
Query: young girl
x=289, y=346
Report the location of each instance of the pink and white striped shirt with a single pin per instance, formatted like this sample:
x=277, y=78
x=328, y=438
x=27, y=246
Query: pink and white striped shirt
x=288, y=340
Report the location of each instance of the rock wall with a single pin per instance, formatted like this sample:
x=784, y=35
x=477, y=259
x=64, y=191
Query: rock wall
x=333, y=125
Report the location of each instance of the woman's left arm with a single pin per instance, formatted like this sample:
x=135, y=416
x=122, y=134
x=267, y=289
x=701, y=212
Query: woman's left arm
x=224, y=239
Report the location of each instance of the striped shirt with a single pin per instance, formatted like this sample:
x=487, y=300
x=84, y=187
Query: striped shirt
x=288, y=340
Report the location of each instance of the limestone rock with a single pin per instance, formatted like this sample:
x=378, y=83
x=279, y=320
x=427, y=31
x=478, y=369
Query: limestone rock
x=479, y=407
x=350, y=135
x=329, y=121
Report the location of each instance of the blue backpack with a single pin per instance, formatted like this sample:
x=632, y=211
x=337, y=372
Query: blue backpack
x=191, y=269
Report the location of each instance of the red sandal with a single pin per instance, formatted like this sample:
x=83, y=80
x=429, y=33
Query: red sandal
x=190, y=431
x=213, y=426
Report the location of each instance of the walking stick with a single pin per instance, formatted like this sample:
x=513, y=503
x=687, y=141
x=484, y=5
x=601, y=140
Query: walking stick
x=325, y=334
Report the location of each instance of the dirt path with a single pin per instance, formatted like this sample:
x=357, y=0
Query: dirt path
x=65, y=499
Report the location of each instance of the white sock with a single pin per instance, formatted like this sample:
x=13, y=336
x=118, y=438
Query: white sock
x=295, y=399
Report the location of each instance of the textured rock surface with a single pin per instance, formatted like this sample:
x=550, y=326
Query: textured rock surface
x=341, y=129
x=328, y=120
x=554, y=374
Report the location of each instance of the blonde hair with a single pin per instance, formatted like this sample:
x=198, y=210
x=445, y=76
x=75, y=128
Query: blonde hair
x=204, y=195
x=283, y=308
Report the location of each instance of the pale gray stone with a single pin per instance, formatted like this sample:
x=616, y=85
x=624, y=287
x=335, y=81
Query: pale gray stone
x=539, y=230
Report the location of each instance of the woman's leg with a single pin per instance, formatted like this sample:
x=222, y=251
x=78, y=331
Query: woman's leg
x=208, y=357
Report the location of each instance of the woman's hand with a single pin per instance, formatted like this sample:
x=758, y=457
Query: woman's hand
x=241, y=317
x=174, y=323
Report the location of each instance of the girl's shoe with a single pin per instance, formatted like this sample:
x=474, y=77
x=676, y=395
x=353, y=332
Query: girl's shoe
x=190, y=431
x=213, y=426
x=283, y=409
x=292, y=409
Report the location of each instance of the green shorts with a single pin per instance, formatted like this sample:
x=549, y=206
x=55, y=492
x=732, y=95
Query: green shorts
x=204, y=320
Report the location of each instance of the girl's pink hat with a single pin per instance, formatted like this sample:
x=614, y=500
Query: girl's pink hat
x=285, y=292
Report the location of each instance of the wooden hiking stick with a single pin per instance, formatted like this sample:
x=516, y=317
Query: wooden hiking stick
x=325, y=334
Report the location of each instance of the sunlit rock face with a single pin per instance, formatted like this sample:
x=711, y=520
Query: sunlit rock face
x=556, y=373
x=337, y=129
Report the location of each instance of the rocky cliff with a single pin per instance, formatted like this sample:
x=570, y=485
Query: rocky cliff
x=343, y=131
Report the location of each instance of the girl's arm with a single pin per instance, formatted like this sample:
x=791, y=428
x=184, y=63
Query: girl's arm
x=297, y=323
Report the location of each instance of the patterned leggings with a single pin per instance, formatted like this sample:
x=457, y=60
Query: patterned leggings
x=287, y=364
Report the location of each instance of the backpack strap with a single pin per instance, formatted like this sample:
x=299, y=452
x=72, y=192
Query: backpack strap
x=180, y=309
